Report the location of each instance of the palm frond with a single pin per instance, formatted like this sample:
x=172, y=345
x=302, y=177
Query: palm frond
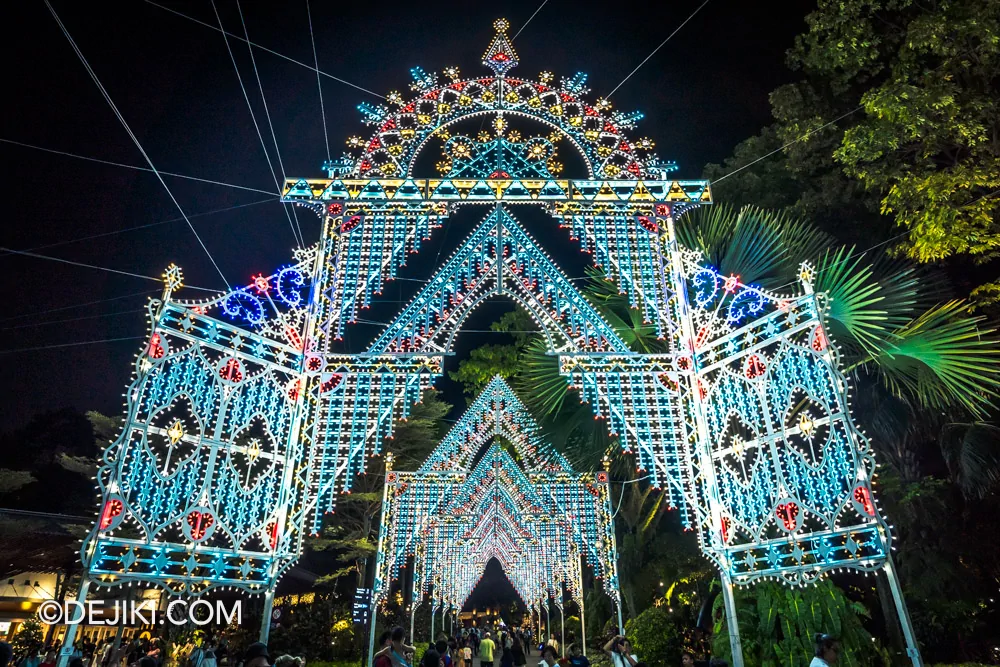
x=943, y=359
x=864, y=305
x=972, y=452
x=762, y=247
x=539, y=382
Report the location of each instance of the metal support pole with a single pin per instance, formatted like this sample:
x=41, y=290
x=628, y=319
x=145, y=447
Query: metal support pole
x=562, y=630
x=433, y=617
x=265, y=621
x=732, y=622
x=548, y=624
x=67, y=646
x=583, y=618
x=621, y=622
x=912, y=649
x=371, y=633
x=115, y=659
x=413, y=596
x=413, y=615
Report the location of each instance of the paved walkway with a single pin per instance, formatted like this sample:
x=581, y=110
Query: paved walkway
x=532, y=661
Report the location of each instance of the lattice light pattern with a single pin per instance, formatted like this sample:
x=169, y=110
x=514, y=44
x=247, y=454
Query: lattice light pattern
x=246, y=419
x=536, y=516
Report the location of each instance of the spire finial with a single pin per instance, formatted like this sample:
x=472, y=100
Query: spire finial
x=500, y=55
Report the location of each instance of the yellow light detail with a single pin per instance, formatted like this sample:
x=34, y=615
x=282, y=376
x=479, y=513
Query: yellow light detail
x=175, y=432
x=806, y=424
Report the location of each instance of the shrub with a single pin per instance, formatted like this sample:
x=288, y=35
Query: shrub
x=655, y=637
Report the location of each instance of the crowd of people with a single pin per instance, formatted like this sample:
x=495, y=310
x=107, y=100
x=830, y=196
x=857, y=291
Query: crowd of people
x=492, y=648
x=499, y=648
x=148, y=652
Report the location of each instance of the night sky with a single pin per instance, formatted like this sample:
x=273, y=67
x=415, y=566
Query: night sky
x=175, y=84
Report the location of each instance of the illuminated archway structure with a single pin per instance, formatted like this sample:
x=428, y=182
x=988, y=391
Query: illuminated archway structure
x=244, y=421
x=535, y=515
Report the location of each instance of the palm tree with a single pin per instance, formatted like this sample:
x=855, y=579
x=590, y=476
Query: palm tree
x=925, y=363
x=920, y=357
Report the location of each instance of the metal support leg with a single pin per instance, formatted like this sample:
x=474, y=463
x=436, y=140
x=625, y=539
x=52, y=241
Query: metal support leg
x=562, y=631
x=371, y=634
x=732, y=622
x=265, y=621
x=67, y=645
x=433, y=616
x=912, y=649
x=579, y=603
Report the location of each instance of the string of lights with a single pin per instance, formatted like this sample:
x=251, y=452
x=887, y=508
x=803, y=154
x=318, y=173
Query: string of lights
x=256, y=126
x=135, y=228
x=267, y=114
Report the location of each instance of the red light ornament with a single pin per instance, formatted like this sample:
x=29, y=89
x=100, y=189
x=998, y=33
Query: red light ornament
x=156, y=349
x=231, y=370
x=111, y=514
x=789, y=515
x=199, y=524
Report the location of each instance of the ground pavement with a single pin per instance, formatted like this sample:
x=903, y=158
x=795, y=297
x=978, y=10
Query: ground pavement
x=532, y=661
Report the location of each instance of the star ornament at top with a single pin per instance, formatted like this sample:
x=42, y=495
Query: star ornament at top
x=500, y=55
x=173, y=277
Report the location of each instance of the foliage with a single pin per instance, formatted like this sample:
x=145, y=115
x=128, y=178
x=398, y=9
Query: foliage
x=352, y=533
x=942, y=562
x=55, y=450
x=777, y=625
x=655, y=638
x=927, y=143
x=893, y=121
x=885, y=315
x=321, y=630
x=12, y=480
x=483, y=364
x=640, y=513
x=29, y=637
x=972, y=452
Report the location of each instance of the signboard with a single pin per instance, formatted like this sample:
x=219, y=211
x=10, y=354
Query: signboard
x=362, y=605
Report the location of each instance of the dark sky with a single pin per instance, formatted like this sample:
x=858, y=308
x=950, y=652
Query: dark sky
x=174, y=83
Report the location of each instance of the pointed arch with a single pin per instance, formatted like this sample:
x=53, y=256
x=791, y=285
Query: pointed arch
x=496, y=412
x=498, y=259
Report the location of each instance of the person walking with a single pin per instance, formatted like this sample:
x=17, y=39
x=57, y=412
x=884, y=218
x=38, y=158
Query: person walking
x=384, y=642
x=517, y=653
x=549, y=657
x=827, y=651
x=486, y=647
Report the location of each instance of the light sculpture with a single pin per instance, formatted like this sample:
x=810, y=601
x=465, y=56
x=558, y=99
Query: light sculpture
x=245, y=420
x=535, y=515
